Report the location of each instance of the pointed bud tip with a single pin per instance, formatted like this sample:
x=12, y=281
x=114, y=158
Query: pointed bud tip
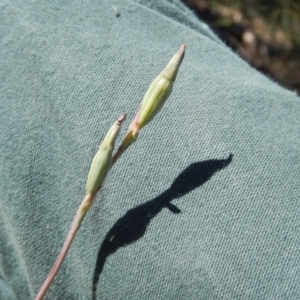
x=181, y=51
x=122, y=118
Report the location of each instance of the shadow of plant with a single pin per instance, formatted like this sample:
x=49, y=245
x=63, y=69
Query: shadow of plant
x=133, y=225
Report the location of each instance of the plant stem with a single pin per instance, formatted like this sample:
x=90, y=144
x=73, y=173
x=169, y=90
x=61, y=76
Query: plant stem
x=128, y=140
x=130, y=137
x=81, y=212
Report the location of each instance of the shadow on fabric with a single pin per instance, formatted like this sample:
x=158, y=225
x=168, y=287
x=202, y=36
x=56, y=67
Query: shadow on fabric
x=133, y=225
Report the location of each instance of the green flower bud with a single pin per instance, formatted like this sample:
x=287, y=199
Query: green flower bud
x=102, y=161
x=159, y=90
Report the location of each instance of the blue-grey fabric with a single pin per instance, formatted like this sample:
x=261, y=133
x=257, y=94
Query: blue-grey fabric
x=205, y=205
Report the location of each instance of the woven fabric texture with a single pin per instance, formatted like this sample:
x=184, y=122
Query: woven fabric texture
x=204, y=206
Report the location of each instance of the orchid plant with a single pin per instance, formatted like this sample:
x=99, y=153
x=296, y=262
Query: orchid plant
x=154, y=99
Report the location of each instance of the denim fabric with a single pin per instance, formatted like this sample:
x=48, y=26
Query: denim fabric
x=205, y=205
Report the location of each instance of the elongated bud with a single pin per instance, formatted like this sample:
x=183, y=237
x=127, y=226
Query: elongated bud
x=103, y=159
x=159, y=90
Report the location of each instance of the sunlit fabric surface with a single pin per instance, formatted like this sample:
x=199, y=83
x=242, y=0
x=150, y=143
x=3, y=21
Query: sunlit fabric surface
x=206, y=204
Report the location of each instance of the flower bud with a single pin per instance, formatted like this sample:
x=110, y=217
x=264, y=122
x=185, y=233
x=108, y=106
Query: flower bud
x=159, y=90
x=103, y=159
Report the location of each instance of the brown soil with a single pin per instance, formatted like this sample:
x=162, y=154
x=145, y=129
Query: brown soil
x=268, y=48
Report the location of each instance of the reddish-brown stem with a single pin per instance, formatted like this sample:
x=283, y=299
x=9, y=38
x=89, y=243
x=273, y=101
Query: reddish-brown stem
x=127, y=141
x=81, y=212
x=130, y=137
